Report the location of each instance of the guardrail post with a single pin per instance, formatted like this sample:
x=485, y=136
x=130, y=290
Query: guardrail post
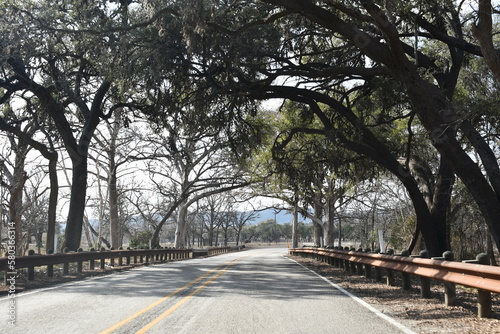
x=368, y=268
x=425, y=282
x=345, y=263
x=79, y=264
x=128, y=256
x=162, y=256
x=359, y=265
x=352, y=265
x=378, y=270
x=65, y=264
x=112, y=258
x=450, y=290
x=31, y=270
x=102, y=262
x=406, y=277
x=91, y=261
x=50, y=267
x=120, y=258
x=391, y=280
x=483, y=297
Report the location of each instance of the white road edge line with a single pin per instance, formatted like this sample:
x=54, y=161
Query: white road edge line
x=392, y=321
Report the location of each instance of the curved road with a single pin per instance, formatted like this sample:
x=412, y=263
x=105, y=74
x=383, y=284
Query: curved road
x=255, y=291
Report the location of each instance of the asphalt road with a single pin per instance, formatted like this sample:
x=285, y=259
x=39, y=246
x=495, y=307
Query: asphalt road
x=255, y=291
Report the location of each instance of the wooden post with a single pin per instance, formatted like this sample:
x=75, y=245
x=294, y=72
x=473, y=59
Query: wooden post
x=425, y=282
x=406, y=281
x=65, y=264
x=391, y=280
x=378, y=274
x=31, y=270
x=368, y=268
x=450, y=290
x=103, y=259
x=406, y=276
x=120, y=257
x=50, y=267
x=128, y=256
x=112, y=259
x=79, y=264
x=92, y=261
x=483, y=297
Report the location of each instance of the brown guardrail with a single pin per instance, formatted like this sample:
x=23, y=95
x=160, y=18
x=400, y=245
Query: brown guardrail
x=216, y=250
x=482, y=277
x=11, y=265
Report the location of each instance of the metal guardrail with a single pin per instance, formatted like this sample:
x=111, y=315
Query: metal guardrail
x=482, y=277
x=216, y=250
x=114, y=256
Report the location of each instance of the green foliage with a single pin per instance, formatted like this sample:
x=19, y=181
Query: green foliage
x=270, y=231
x=141, y=240
x=401, y=233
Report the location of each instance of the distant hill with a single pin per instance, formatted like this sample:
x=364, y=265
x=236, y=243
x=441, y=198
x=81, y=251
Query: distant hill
x=282, y=217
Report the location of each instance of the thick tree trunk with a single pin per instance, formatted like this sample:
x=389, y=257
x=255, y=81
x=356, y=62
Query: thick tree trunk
x=318, y=227
x=180, y=231
x=73, y=232
x=328, y=226
x=435, y=113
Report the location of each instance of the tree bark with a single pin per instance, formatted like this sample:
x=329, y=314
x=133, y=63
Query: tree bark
x=295, y=224
x=484, y=35
x=328, y=226
x=53, y=197
x=181, y=229
x=114, y=218
x=73, y=231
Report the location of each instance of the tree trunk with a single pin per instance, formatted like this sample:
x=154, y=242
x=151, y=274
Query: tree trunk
x=430, y=104
x=73, y=232
x=340, y=233
x=328, y=226
x=16, y=206
x=114, y=219
x=370, y=146
x=295, y=224
x=180, y=231
x=53, y=197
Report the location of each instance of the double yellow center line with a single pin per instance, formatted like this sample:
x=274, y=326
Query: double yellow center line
x=144, y=329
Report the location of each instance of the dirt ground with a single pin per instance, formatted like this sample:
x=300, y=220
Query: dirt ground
x=419, y=314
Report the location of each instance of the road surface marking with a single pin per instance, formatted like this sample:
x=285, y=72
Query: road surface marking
x=392, y=321
x=132, y=317
x=182, y=301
